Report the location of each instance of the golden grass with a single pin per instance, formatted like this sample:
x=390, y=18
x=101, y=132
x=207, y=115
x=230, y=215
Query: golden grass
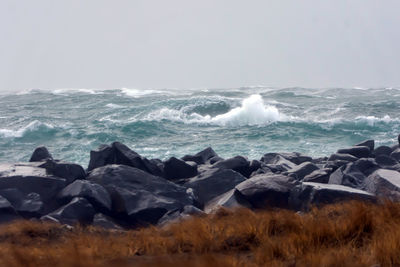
x=347, y=234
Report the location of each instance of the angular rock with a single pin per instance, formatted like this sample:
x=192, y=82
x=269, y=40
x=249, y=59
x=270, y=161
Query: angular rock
x=345, y=157
x=41, y=153
x=7, y=211
x=336, y=164
x=178, y=215
x=382, y=150
x=66, y=170
x=104, y=155
x=267, y=190
x=294, y=157
x=215, y=159
x=231, y=199
x=278, y=164
x=356, y=151
x=239, y=164
x=348, y=175
x=31, y=206
x=175, y=169
x=79, y=210
x=395, y=154
x=94, y=193
x=142, y=197
x=212, y=183
x=309, y=194
x=318, y=176
x=384, y=160
x=301, y=170
x=384, y=184
x=202, y=157
x=368, y=143
x=106, y=222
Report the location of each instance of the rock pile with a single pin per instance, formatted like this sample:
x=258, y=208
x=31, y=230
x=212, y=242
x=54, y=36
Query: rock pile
x=122, y=189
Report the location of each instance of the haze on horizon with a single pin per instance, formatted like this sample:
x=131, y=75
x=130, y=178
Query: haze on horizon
x=198, y=44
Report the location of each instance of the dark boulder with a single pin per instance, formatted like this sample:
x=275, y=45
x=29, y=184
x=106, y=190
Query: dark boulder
x=318, y=176
x=309, y=194
x=175, y=169
x=212, y=183
x=29, y=205
x=41, y=153
x=340, y=156
x=300, y=171
x=94, y=193
x=142, y=197
x=395, y=154
x=278, y=164
x=336, y=164
x=78, y=211
x=295, y=157
x=106, y=222
x=348, y=175
x=69, y=171
x=384, y=184
x=356, y=151
x=231, y=199
x=202, y=157
x=7, y=211
x=239, y=164
x=368, y=143
x=178, y=215
x=382, y=150
x=385, y=161
x=104, y=155
x=267, y=190
x=215, y=159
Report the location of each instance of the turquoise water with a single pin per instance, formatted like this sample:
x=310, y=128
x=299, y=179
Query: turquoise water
x=164, y=123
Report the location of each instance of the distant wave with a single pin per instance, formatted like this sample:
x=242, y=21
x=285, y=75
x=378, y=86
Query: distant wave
x=31, y=127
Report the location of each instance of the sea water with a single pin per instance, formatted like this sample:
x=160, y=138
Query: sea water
x=248, y=121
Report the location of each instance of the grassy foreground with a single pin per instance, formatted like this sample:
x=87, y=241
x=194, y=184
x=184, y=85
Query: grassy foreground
x=348, y=234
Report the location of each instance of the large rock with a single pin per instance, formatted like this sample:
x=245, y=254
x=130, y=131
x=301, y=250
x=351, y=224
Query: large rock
x=202, y=157
x=384, y=184
x=106, y=222
x=140, y=196
x=29, y=178
x=301, y=170
x=78, y=211
x=318, y=176
x=175, y=169
x=96, y=194
x=395, y=154
x=66, y=170
x=212, y=183
x=119, y=153
x=368, y=143
x=28, y=206
x=277, y=163
x=341, y=156
x=382, y=150
x=267, y=190
x=295, y=157
x=356, y=151
x=178, y=215
x=7, y=211
x=41, y=153
x=231, y=199
x=239, y=164
x=308, y=194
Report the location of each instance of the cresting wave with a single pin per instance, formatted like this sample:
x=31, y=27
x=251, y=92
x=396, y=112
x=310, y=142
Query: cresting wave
x=34, y=126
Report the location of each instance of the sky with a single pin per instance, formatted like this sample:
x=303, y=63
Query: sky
x=199, y=44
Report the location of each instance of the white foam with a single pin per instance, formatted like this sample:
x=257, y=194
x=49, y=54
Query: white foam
x=136, y=93
x=371, y=120
x=253, y=111
x=31, y=127
x=111, y=105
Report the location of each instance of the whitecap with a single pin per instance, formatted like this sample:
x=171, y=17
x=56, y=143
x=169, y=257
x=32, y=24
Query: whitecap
x=31, y=127
x=111, y=105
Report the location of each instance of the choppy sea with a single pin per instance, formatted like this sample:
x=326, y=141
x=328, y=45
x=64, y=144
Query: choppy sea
x=248, y=121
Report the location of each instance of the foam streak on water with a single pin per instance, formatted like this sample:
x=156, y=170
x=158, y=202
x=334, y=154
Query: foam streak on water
x=161, y=123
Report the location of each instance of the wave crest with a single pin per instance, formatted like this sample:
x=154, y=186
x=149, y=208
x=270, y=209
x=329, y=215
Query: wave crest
x=31, y=127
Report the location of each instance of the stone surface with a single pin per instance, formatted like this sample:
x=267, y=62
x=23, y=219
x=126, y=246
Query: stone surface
x=231, y=199
x=300, y=171
x=294, y=157
x=69, y=171
x=277, y=163
x=239, y=164
x=178, y=215
x=382, y=150
x=318, y=176
x=395, y=154
x=202, y=157
x=341, y=156
x=368, y=143
x=78, y=211
x=384, y=184
x=356, y=151
x=175, y=169
x=7, y=211
x=41, y=153
x=106, y=222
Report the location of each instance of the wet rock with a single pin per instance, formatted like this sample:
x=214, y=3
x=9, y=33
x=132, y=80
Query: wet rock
x=384, y=184
x=78, y=211
x=300, y=171
x=356, y=151
x=368, y=143
x=318, y=176
x=239, y=164
x=294, y=157
x=69, y=171
x=94, y=193
x=384, y=160
x=212, y=183
x=382, y=150
x=41, y=153
x=231, y=199
x=267, y=190
x=175, y=169
x=202, y=157
x=278, y=164
x=344, y=157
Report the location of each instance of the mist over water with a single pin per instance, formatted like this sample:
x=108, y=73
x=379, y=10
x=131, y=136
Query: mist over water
x=249, y=121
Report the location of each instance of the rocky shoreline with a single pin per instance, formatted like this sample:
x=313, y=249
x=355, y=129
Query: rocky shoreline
x=122, y=190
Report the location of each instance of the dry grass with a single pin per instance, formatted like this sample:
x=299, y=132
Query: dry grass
x=348, y=234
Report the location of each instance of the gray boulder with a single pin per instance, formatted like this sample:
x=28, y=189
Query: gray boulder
x=356, y=151
x=278, y=163
x=301, y=170
x=7, y=211
x=202, y=157
x=384, y=184
x=106, y=222
x=318, y=176
x=382, y=150
x=212, y=183
x=96, y=194
x=69, y=171
x=41, y=153
x=368, y=143
x=28, y=205
x=267, y=190
x=294, y=157
x=231, y=199
x=385, y=161
x=178, y=215
x=395, y=154
x=341, y=156
x=78, y=211
x=239, y=164
x=175, y=169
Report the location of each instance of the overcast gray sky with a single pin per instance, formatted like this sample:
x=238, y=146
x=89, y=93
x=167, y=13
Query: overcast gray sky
x=197, y=44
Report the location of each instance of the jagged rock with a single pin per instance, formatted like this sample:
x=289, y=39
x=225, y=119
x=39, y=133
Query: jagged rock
x=384, y=160
x=41, y=153
x=66, y=170
x=177, y=215
x=142, y=197
x=215, y=159
x=308, y=194
x=212, y=183
x=230, y=199
x=382, y=150
x=27, y=178
x=295, y=157
x=356, y=151
x=7, y=211
x=267, y=190
x=119, y=153
x=301, y=170
x=94, y=193
x=202, y=157
x=79, y=210
x=239, y=164
x=395, y=154
x=318, y=176
x=263, y=169
x=175, y=169
x=104, y=221
x=347, y=175
x=345, y=157
x=336, y=164
x=384, y=184
x=278, y=163
x=368, y=143
x=31, y=206
x=366, y=166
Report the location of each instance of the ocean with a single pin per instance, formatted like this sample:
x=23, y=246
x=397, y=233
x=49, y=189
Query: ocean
x=248, y=121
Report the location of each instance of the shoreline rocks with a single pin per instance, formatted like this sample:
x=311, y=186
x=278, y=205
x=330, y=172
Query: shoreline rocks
x=121, y=189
